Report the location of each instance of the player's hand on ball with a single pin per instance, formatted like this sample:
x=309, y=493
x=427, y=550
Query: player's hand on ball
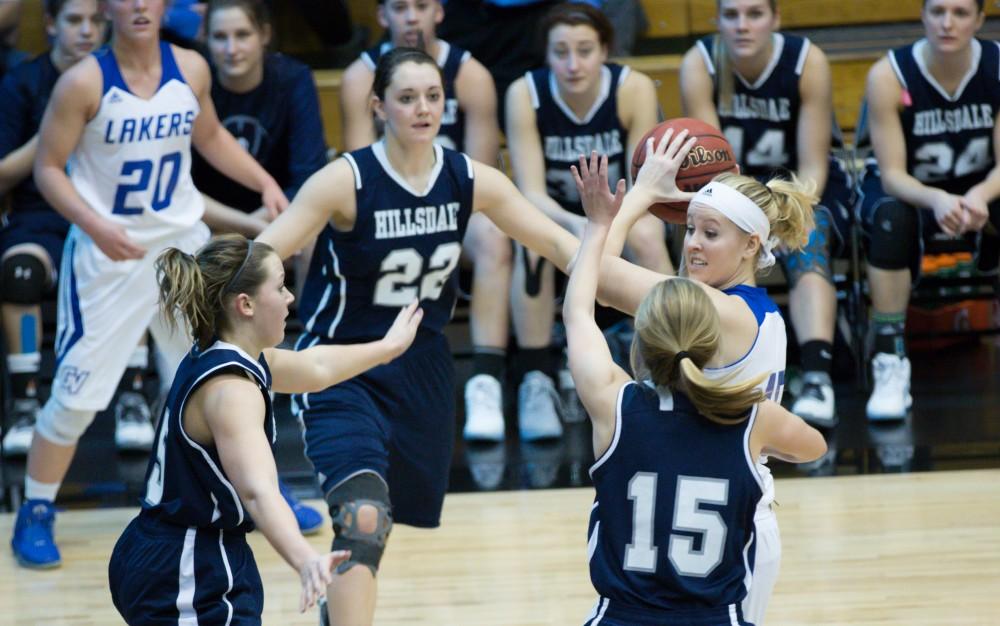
x=658, y=174
x=591, y=179
x=400, y=335
x=316, y=574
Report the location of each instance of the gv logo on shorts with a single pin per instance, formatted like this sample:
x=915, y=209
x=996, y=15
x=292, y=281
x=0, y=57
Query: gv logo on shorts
x=73, y=379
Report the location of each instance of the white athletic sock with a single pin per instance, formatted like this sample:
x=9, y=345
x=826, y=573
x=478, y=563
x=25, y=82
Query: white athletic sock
x=35, y=490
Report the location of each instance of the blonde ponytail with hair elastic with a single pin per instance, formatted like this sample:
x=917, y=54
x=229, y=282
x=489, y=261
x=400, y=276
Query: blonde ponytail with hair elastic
x=676, y=333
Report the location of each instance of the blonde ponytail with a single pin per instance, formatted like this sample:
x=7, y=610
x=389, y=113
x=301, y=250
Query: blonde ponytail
x=788, y=204
x=677, y=331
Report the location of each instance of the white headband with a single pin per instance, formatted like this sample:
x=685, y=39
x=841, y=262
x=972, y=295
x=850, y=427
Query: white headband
x=743, y=212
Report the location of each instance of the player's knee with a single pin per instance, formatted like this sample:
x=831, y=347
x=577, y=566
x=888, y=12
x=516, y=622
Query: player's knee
x=493, y=250
x=61, y=424
x=362, y=520
x=23, y=279
x=892, y=235
x=814, y=258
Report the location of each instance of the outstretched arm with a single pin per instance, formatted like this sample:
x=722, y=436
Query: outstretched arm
x=497, y=197
x=780, y=433
x=233, y=411
x=598, y=379
x=327, y=196
x=322, y=366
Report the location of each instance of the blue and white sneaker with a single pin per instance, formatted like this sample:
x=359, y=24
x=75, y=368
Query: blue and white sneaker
x=33, y=543
x=310, y=520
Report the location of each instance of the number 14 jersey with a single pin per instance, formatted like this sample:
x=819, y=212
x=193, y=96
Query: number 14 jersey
x=405, y=245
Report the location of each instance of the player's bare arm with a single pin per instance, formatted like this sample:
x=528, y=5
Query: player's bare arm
x=327, y=196
x=229, y=410
x=884, y=96
x=476, y=95
x=497, y=197
x=355, y=106
x=74, y=102
x=322, y=366
x=636, y=108
x=779, y=433
x=697, y=90
x=978, y=197
x=815, y=119
x=598, y=378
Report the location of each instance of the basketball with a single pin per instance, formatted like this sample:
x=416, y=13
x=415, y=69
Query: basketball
x=710, y=156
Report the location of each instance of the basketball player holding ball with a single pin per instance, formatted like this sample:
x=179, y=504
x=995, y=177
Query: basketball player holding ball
x=733, y=225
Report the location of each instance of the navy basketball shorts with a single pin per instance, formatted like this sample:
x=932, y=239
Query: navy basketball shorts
x=397, y=420
x=47, y=229
x=609, y=612
x=161, y=573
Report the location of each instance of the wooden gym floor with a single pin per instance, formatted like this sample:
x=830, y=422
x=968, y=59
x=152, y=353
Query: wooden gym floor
x=914, y=549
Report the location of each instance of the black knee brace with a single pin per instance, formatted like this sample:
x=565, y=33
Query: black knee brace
x=532, y=274
x=23, y=279
x=893, y=236
x=345, y=500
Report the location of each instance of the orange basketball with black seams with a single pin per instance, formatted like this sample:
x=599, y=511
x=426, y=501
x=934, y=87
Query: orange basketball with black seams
x=710, y=156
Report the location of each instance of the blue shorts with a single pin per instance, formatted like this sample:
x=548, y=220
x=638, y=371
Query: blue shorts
x=161, y=573
x=397, y=420
x=609, y=612
x=45, y=228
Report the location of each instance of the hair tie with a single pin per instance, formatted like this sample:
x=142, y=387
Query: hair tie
x=679, y=357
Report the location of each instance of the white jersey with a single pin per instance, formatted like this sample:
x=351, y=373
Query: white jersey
x=766, y=356
x=133, y=162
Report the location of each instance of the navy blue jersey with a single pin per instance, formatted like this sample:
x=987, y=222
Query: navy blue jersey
x=672, y=525
x=761, y=121
x=949, y=138
x=185, y=482
x=24, y=94
x=450, y=59
x=404, y=245
x=565, y=136
x=279, y=124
